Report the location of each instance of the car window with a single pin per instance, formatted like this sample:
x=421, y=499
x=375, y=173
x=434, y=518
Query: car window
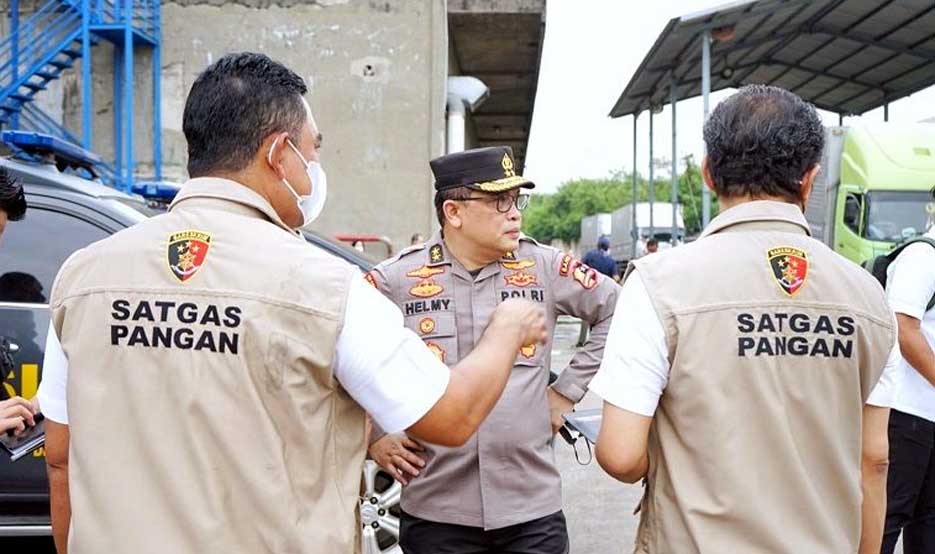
x=32, y=250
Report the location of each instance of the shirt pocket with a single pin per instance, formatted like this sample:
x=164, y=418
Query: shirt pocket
x=437, y=331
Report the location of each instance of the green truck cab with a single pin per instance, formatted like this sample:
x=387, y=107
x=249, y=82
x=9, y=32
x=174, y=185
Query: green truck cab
x=874, y=189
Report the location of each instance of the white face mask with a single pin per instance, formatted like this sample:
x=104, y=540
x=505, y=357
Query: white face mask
x=312, y=205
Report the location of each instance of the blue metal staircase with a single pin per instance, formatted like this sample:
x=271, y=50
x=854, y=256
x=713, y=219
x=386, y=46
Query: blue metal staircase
x=48, y=42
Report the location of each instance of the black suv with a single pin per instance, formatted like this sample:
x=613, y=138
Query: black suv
x=65, y=213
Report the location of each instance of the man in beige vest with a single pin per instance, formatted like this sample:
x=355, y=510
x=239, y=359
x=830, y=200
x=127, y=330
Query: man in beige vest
x=737, y=383
x=208, y=370
x=500, y=492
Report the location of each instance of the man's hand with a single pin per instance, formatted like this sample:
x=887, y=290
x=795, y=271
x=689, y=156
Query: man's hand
x=397, y=454
x=523, y=315
x=15, y=415
x=558, y=405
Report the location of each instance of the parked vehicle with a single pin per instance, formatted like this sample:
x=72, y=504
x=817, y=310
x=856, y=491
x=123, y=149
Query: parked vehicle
x=625, y=241
x=592, y=228
x=873, y=190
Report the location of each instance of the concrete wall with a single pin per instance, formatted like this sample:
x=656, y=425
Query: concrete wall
x=376, y=73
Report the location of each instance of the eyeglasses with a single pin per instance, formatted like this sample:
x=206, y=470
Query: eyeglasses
x=504, y=202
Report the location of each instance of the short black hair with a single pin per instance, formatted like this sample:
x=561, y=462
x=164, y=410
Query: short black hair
x=652, y=242
x=455, y=193
x=12, y=197
x=233, y=105
x=761, y=141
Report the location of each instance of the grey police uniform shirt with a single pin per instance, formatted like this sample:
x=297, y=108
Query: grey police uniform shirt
x=506, y=472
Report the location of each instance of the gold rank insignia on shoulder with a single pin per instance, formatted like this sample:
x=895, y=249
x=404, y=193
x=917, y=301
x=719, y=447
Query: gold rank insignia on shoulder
x=186, y=252
x=425, y=272
x=369, y=278
x=435, y=254
x=789, y=266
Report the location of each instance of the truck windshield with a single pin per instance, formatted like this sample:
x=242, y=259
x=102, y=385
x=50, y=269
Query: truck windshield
x=893, y=216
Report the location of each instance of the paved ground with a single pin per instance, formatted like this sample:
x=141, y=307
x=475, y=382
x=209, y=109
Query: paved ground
x=599, y=509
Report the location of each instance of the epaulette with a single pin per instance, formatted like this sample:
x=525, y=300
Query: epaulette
x=402, y=253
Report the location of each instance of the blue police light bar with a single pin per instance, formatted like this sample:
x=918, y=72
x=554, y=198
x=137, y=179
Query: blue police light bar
x=156, y=190
x=38, y=143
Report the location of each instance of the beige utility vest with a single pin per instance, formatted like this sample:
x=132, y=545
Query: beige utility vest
x=204, y=415
x=775, y=343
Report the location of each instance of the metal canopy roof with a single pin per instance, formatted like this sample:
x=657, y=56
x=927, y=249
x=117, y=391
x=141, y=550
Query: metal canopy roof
x=845, y=56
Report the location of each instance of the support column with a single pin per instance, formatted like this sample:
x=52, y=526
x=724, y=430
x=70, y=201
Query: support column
x=674, y=193
x=86, y=103
x=118, y=116
x=633, y=227
x=705, y=93
x=14, y=32
x=652, y=183
x=157, y=91
x=128, y=92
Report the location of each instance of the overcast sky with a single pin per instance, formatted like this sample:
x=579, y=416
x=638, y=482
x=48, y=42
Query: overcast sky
x=592, y=48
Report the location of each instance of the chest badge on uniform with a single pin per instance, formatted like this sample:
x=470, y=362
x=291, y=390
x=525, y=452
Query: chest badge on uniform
x=528, y=351
x=425, y=272
x=790, y=268
x=437, y=350
x=426, y=289
x=186, y=253
x=426, y=325
x=521, y=279
x=518, y=265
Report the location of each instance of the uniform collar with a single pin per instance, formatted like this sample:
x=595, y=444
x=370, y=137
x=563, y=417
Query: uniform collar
x=229, y=194
x=438, y=254
x=785, y=214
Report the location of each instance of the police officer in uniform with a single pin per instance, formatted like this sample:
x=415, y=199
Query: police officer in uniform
x=208, y=371
x=501, y=491
x=738, y=381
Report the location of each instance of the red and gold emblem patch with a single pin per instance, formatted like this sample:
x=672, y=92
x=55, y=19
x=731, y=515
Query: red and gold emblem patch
x=790, y=268
x=426, y=325
x=425, y=272
x=426, y=289
x=437, y=350
x=369, y=278
x=186, y=253
x=528, y=351
x=518, y=265
x=585, y=275
x=521, y=279
x=565, y=265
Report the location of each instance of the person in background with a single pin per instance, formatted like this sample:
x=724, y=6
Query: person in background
x=652, y=246
x=910, y=506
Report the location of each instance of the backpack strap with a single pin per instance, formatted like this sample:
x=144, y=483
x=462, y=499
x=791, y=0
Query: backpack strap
x=898, y=250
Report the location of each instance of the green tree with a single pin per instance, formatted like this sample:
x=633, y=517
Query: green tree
x=558, y=215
